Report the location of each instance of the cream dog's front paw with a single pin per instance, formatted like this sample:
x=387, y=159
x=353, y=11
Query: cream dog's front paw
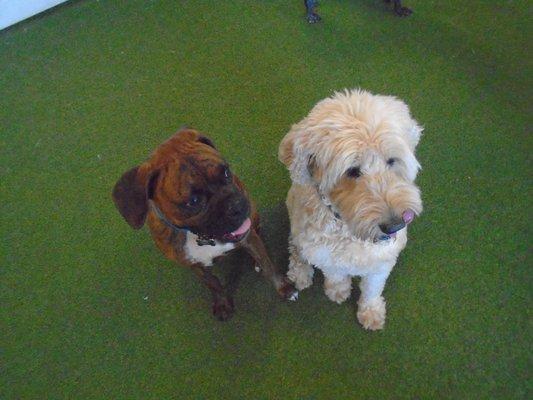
x=300, y=273
x=301, y=279
x=371, y=314
x=338, y=291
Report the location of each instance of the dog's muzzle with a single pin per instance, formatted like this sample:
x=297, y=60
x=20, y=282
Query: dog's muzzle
x=390, y=228
x=230, y=221
x=238, y=234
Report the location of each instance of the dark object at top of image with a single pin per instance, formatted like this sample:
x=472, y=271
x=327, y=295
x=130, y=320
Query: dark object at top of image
x=313, y=17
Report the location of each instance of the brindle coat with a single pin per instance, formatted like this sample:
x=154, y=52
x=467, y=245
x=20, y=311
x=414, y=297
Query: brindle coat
x=187, y=179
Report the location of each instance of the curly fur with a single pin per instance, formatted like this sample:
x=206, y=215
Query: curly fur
x=351, y=129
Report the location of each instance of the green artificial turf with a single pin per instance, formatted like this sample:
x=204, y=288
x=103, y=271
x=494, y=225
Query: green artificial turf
x=91, y=310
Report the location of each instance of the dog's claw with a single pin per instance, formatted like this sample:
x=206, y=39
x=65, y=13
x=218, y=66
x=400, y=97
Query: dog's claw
x=223, y=308
x=287, y=291
x=294, y=296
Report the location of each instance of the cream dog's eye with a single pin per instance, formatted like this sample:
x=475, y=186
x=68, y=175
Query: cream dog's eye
x=391, y=162
x=354, y=172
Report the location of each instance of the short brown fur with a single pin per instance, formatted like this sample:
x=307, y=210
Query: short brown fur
x=186, y=162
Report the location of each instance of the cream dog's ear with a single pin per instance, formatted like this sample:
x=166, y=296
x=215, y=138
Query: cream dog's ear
x=413, y=134
x=285, y=151
x=294, y=153
x=403, y=121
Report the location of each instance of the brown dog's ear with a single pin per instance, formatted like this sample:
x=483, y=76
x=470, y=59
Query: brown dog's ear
x=207, y=141
x=131, y=194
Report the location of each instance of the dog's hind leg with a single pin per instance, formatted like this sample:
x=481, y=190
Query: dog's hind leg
x=400, y=10
x=300, y=271
x=312, y=16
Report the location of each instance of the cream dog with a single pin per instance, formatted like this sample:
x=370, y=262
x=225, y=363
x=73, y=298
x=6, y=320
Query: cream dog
x=353, y=167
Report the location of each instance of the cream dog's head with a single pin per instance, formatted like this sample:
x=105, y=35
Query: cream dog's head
x=358, y=150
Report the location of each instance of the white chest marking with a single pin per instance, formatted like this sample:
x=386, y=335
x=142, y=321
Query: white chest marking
x=204, y=254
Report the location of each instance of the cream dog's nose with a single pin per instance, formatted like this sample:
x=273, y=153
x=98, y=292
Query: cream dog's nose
x=392, y=226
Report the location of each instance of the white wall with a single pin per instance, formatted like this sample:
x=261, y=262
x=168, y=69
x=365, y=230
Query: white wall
x=13, y=11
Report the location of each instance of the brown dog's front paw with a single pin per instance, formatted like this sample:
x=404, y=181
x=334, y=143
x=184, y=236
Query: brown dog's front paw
x=287, y=291
x=223, y=308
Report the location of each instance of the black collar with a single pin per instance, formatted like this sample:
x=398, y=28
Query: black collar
x=201, y=240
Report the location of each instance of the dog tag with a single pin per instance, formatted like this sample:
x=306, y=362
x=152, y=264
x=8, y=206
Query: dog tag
x=205, y=242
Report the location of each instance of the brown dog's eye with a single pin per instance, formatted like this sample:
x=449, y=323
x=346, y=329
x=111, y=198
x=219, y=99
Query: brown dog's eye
x=193, y=201
x=354, y=172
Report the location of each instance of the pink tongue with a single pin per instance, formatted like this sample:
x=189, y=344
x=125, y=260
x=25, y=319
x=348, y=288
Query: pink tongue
x=408, y=216
x=243, y=228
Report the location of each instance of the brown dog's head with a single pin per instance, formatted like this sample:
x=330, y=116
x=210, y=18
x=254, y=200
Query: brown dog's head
x=192, y=185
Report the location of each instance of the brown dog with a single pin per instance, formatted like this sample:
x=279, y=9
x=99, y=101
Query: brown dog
x=197, y=210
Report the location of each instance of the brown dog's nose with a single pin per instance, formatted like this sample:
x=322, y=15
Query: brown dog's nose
x=392, y=226
x=237, y=207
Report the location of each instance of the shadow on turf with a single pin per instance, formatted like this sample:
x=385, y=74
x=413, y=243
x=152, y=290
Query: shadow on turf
x=254, y=296
x=175, y=292
x=275, y=233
